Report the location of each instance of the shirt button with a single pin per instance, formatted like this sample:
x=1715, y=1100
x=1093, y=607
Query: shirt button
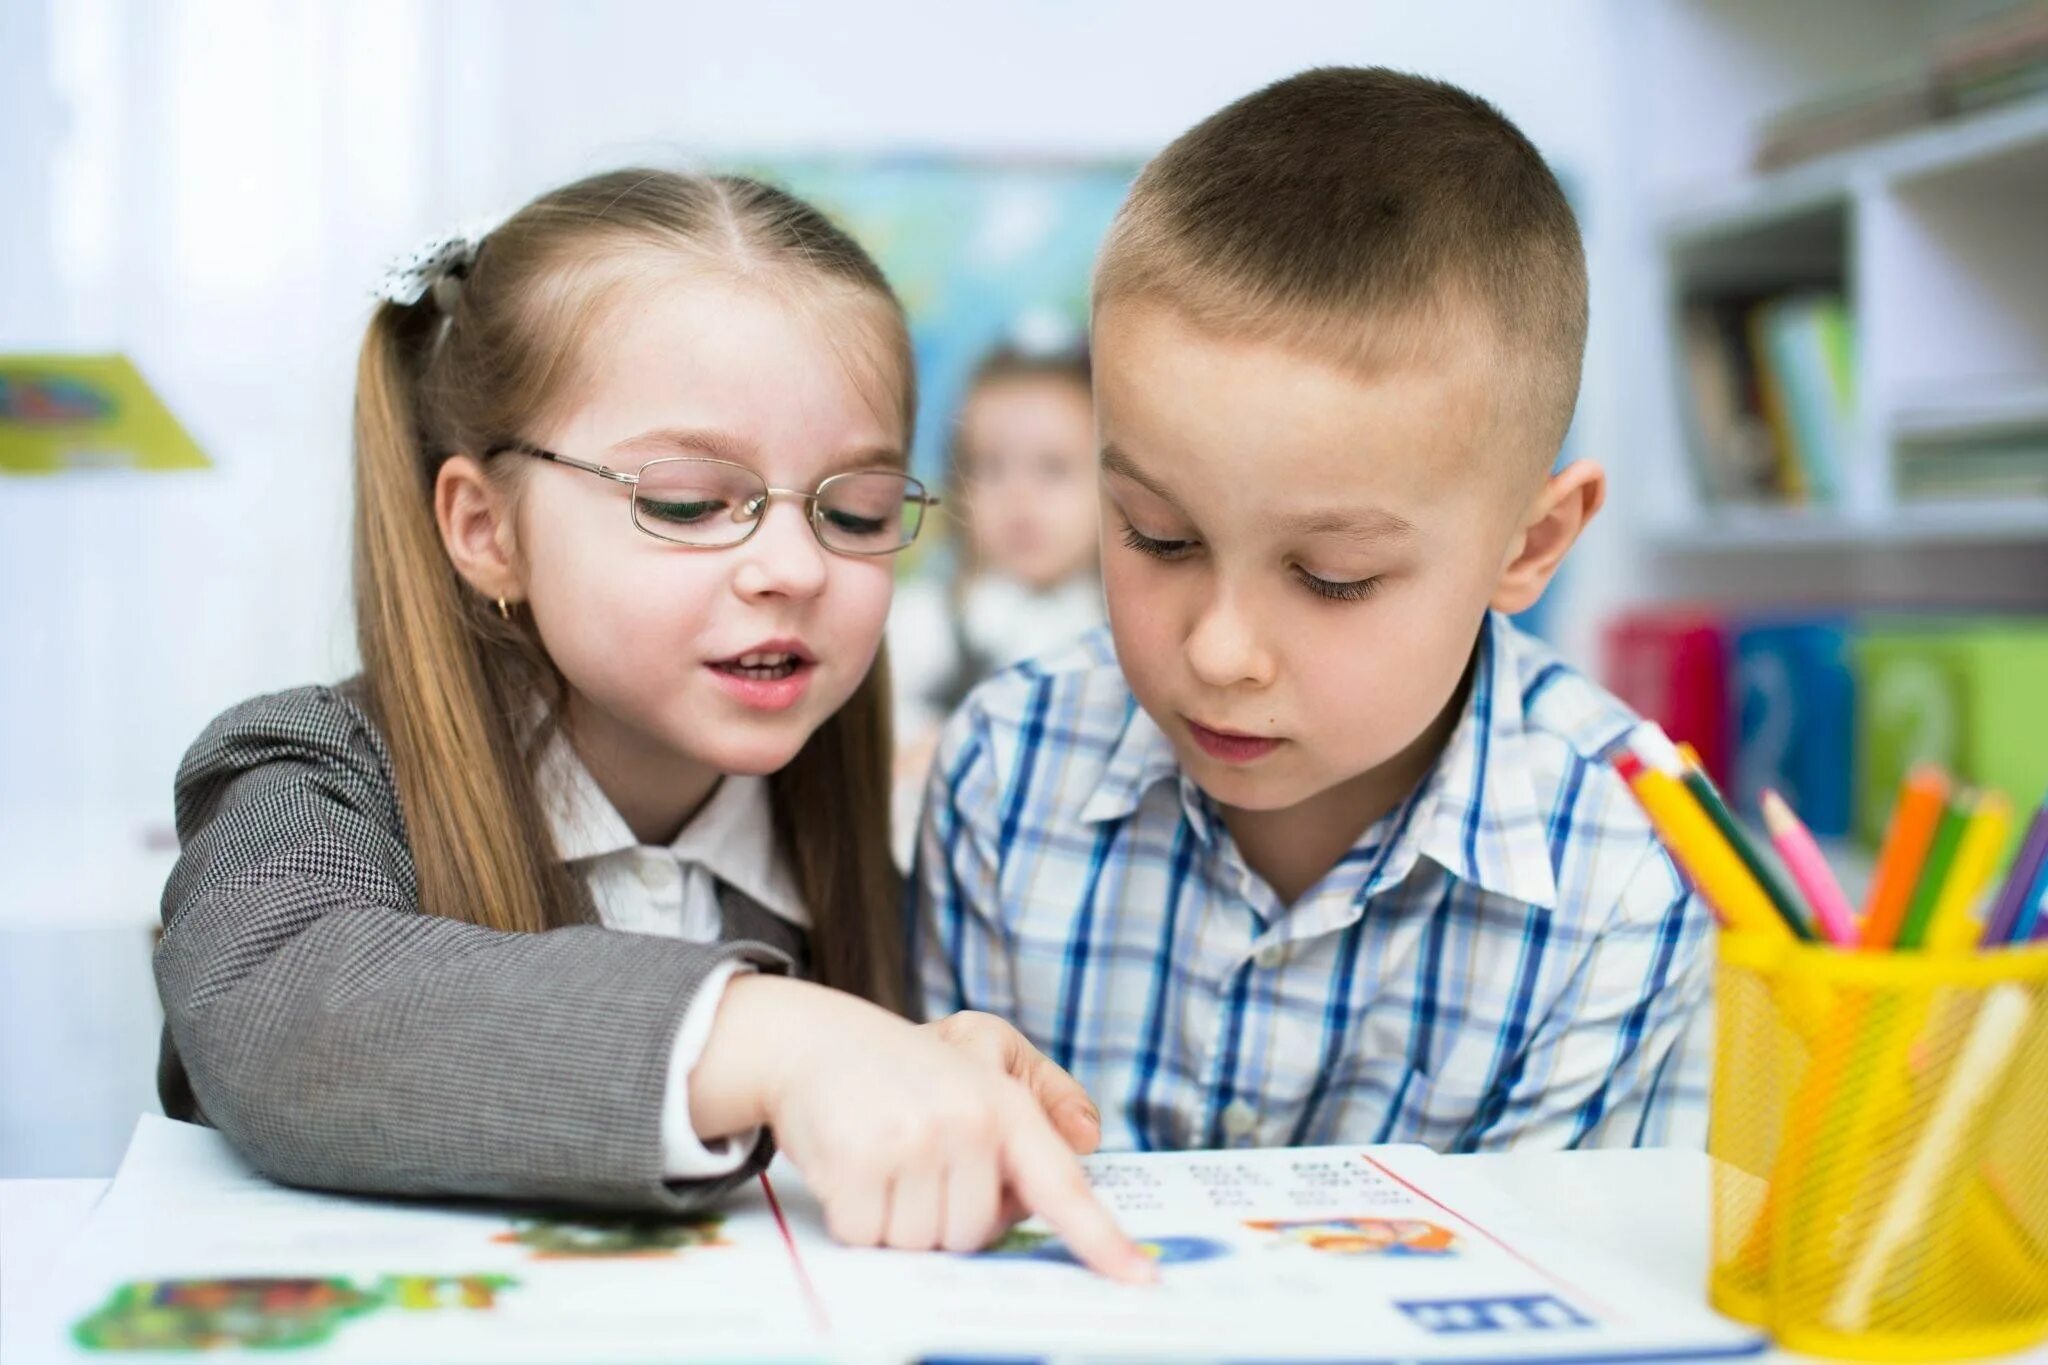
x=656, y=871
x=1239, y=1119
x=1271, y=956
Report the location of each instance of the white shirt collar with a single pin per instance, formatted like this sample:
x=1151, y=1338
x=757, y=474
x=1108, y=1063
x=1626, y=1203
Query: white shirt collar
x=732, y=835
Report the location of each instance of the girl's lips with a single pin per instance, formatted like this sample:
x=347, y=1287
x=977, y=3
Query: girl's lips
x=1229, y=747
x=765, y=689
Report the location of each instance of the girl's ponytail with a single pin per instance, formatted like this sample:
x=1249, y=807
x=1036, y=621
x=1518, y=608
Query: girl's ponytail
x=449, y=722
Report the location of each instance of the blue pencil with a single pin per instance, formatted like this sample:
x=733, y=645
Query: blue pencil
x=2033, y=924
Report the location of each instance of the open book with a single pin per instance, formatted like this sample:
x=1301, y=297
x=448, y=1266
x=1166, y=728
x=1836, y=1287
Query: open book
x=1386, y=1253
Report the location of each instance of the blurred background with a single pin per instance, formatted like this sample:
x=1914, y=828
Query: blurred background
x=1818, y=370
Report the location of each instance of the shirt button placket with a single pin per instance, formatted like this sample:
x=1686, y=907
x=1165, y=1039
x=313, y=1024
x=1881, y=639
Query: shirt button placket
x=1240, y=1121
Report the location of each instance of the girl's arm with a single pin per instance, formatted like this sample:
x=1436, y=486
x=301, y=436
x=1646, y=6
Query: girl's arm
x=343, y=1039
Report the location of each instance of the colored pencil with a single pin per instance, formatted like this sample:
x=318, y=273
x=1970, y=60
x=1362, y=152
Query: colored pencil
x=1809, y=868
x=1784, y=900
x=2032, y=925
x=1922, y=799
x=1953, y=926
x=1689, y=835
x=2005, y=913
x=1956, y=816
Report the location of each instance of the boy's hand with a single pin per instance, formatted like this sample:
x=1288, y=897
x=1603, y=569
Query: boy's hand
x=908, y=1140
x=997, y=1042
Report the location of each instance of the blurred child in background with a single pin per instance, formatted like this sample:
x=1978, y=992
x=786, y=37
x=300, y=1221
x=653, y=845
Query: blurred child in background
x=1024, y=576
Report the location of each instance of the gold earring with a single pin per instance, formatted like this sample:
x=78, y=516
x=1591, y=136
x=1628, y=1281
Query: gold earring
x=503, y=610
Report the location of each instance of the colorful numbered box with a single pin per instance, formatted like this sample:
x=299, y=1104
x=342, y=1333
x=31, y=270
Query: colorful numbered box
x=1671, y=666
x=1795, y=727
x=1966, y=694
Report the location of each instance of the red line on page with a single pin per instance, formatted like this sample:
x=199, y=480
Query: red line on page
x=803, y=1275
x=1555, y=1279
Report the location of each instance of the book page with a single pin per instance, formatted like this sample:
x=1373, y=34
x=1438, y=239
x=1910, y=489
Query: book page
x=1316, y=1253
x=192, y=1250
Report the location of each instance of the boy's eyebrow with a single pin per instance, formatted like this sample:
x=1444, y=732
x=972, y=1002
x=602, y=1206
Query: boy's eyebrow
x=1114, y=461
x=1369, y=523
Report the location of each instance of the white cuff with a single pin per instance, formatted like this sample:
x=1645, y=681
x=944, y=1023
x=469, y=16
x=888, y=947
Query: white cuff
x=685, y=1156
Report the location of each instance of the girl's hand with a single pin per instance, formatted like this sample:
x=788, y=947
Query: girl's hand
x=997, y=1042
x=908, y=1140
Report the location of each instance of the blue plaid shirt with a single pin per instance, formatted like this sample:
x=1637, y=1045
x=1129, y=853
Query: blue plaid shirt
x=1505, y=959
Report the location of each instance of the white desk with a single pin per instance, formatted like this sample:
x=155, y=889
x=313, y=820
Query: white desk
x=1609, y=1198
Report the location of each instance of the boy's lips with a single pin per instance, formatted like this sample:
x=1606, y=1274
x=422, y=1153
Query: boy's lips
x=1230, y=746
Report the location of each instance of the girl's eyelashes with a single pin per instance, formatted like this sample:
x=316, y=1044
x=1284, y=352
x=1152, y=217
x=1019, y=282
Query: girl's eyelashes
x=1355, y=591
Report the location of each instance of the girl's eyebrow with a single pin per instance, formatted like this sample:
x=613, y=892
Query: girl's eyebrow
x=730, y=446
x=719, y=445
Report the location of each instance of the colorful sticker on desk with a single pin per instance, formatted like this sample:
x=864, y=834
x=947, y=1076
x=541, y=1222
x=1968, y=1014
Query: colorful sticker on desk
x=264, y=1314
x=1020, y=1244
x=562, y=1239
x=1361, y=1236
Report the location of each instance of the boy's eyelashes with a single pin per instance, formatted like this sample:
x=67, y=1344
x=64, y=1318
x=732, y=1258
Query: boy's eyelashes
x=1330, y=590
x=1357, y=590
x=1158, y=549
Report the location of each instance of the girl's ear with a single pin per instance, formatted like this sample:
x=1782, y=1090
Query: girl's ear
x=475, y=517
x=1552, y=523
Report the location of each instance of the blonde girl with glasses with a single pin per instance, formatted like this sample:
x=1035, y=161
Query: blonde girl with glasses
x=581, y=890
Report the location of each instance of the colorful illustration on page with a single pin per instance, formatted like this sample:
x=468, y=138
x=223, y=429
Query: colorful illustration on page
x=1021, y=1244
x=264, y=1314
x=601, y=1238
x=1361, y=1236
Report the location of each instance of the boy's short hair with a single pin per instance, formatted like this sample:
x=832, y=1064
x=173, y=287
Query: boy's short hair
x=1347, y=196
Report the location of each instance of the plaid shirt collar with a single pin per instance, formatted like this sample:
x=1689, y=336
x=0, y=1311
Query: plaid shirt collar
x=1502, y=851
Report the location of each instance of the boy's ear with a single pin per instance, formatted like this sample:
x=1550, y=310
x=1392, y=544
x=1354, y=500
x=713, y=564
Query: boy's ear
x=1569, y=499
x=475, y=518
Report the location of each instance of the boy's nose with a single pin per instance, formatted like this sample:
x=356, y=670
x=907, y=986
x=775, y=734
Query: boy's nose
x=783, y=557
x=1226, y=649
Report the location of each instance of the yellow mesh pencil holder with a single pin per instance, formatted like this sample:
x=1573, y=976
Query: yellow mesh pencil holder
x=1879, y=1128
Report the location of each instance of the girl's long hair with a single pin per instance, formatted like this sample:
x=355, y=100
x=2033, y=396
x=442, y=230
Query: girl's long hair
x=455, y=687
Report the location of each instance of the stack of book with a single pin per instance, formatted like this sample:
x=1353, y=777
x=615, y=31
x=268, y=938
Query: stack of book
x=1773, y=388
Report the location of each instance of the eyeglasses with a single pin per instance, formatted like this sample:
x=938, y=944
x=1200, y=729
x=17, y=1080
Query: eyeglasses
x=714, y=504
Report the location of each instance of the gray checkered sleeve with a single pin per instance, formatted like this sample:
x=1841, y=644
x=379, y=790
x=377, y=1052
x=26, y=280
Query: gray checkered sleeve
x=343, y=1039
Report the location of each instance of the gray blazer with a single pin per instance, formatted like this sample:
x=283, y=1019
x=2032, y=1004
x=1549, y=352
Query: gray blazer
x=341, y=1038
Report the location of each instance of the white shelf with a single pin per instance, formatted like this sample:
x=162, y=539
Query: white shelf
x=1827, y=183
x=1990, y=412
x=1734, y=530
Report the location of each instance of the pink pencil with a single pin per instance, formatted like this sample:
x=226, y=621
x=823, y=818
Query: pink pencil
x=1810, y=870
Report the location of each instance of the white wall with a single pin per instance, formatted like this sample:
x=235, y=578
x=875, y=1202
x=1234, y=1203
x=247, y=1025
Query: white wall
x=227, y=179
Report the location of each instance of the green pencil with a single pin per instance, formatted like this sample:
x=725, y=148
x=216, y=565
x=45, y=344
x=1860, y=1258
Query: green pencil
x=1941, y=855
x=1783, y=898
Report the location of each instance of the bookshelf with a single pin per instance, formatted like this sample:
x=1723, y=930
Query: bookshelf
x=1935, y=240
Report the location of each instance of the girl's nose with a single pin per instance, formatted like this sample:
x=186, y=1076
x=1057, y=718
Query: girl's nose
x=783, y=557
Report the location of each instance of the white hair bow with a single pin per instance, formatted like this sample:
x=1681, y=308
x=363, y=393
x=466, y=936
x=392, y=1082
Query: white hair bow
x=436, y=268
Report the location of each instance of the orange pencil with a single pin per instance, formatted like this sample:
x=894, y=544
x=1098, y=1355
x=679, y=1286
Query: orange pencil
x=1922, y=799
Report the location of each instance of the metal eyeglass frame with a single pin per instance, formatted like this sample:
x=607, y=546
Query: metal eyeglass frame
x=752, y=514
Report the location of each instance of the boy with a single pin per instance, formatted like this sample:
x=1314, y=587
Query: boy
x=1333, y=857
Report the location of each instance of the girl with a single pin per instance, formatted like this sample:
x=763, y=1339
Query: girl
x=1025, y=579
x=523, y=910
